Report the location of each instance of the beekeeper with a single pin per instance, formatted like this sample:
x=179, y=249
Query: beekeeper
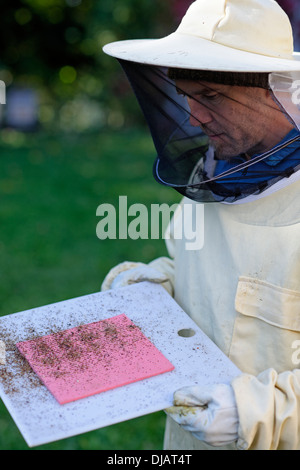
x=220, y=96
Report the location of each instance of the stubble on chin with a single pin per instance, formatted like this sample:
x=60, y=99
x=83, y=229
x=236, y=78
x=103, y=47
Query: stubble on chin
x=221, y=154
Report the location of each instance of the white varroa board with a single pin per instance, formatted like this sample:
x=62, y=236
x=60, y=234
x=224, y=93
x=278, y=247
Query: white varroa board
x=41, y=419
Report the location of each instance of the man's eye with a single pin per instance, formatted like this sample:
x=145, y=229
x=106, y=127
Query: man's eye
x=211, y=96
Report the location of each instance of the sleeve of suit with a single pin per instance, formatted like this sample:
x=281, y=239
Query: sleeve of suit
x=269, y=410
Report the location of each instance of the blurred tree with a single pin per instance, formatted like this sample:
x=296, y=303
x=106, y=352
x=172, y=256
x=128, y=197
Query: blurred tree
x=55, y=47
x=39, y=36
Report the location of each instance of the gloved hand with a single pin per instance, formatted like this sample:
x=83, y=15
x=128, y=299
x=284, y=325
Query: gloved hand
x=128, y=273
x=208, y=412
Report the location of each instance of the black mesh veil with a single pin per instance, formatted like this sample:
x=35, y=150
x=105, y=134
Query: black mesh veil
x=187, y=152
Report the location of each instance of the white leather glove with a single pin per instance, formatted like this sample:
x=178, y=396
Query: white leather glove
x=208, y=412
x=128, y=273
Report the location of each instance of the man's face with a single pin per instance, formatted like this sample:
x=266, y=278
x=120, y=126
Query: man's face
x=238, y=120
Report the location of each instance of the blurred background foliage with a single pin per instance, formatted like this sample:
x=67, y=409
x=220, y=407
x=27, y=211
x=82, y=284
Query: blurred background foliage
x=54, y=47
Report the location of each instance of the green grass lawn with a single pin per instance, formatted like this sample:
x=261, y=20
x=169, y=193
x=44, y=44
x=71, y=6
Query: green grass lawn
x=50, y=188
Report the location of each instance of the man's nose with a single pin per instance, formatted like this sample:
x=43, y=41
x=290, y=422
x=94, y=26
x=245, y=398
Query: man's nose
x=200, y=114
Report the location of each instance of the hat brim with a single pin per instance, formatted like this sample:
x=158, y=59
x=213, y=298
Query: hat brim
x=182, y=51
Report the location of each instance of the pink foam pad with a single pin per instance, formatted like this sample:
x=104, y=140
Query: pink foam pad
x=93, y=358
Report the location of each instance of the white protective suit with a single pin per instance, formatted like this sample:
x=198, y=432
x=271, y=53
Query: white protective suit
x=243, y=290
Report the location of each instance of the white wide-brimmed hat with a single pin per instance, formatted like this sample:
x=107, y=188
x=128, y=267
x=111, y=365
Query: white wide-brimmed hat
x=223, y=35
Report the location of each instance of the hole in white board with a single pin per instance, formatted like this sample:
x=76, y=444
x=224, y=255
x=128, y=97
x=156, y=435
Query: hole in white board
x=186, y=332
